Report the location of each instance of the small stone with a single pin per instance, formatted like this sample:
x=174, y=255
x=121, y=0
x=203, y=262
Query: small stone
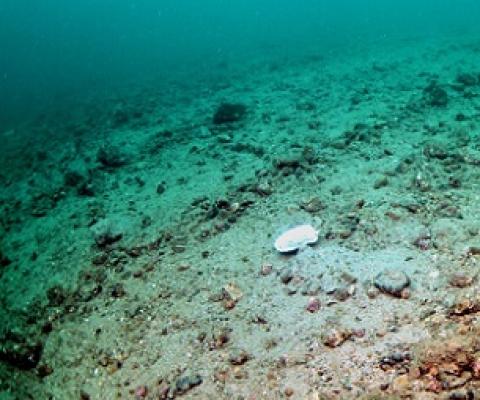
x=238, y=357
x=111, y=157
x=266, y=269
x=186, y=383
x=161, y=188
x=239, y=373
x=381, y=182
x=423, y=242
x=44, y=370
x=264, y=189
x=162, y=392
x=141, y=392
x=460, y=280
x=372, y=292
x=313, y=305
x=392, y=282
x=118, y=291
x=183, y=267
x=312, y=205
x=220, y=338
x=288, y=392
x=229, y=304
x=336, y=337
x=232, y=292
x=401, y=383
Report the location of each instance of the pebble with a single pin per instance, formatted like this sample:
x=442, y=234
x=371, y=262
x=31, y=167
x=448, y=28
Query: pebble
x=313, y=305
x=266, y=269
x=118, y=291
x=312, y=205
x=460, y=280
x=264, y=189
x=141, y=392
x=161, y=188
x=336, y=337
x=238, y=357
x=381, y=182
x=401, y=383
x=232, y=292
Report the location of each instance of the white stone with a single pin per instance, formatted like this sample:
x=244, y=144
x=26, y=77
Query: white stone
x=296, y=238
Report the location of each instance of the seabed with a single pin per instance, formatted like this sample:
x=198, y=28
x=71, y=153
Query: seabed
x=137, y=233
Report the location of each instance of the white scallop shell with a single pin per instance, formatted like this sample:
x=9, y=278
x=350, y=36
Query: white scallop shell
x=295, y=238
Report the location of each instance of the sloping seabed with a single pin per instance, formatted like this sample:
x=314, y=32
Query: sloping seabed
x=137, y=234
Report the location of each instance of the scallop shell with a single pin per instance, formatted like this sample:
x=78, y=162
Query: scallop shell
x=295, y=238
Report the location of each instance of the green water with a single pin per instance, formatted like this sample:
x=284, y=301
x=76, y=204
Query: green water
x=56, y=51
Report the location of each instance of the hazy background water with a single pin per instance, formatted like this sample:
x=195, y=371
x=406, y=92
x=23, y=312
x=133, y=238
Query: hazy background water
x=55, y=50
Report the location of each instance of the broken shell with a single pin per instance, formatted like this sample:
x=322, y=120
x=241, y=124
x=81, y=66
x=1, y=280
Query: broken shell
x=296, y=238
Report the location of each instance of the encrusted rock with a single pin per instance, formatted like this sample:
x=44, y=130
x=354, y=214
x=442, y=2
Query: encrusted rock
x=392, y=282
x=435, y=95
x=111, y=157
x=105, y=233
x=185, y=383
x=336, y=337
x=466, y=79
x=228, y=113
x=460, y=280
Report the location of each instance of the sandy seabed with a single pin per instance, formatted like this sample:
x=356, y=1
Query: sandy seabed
x=137, y=230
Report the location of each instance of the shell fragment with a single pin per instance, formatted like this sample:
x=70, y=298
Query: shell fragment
x=296, y=238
